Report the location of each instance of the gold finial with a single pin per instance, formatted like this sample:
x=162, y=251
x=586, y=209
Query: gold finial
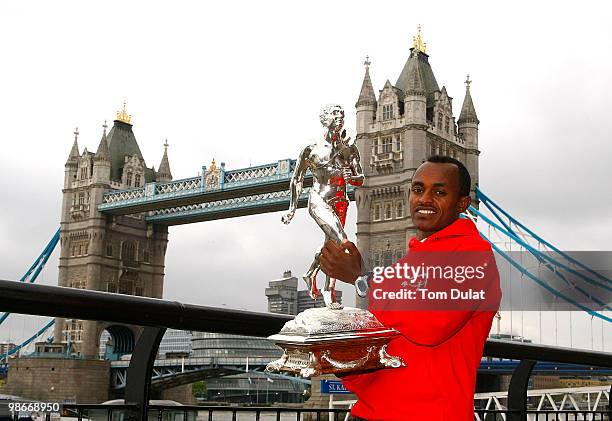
x=367, y=62
x=213, y=166
x=76, y=134
x=123, y=115
x=417, y=42
x=467, y=82
x=166, y=145
x=105, y=127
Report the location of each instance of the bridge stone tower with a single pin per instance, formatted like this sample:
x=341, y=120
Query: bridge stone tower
x=120, y=254
x=396, y=132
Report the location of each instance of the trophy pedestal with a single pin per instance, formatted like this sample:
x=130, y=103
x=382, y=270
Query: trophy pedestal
x=324, y=341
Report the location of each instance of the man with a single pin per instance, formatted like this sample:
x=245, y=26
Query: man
x=442, y=348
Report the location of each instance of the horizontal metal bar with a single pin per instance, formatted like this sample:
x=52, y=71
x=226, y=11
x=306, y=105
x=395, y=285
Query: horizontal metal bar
x=55, y=301
x=527, y=351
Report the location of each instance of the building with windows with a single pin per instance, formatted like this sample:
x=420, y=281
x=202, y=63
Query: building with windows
x=251, y=353
x=119, y=254
x=284, y=297
x=6, y=347
x=398, y=129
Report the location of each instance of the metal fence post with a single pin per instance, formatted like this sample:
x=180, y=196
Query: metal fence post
x=139, y=372
x=517, y=391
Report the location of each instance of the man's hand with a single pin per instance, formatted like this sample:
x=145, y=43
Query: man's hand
x=341, y=261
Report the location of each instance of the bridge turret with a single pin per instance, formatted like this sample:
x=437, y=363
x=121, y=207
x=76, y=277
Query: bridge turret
x=102, y=163
x=72, y=162
x=468, y=131
x=468, y=121
x=366, y=104
x=117, y=254
x=163, y=173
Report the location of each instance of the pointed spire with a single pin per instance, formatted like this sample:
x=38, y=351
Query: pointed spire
x=468, y=112
x=103, y=153
x=163, y=173
x=366, y=96
x=414, y=82
x=74, y=152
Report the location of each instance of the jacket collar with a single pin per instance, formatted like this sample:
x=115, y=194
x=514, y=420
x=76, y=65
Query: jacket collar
x=460, y=228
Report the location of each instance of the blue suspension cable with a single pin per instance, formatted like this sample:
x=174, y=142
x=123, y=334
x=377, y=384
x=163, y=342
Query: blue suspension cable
x=547, y=287
x=550, y=259
x=488, y=202
x=38, y=265
x=28, y=341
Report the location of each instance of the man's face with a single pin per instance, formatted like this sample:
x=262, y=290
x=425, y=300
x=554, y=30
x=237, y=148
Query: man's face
x=434, y=197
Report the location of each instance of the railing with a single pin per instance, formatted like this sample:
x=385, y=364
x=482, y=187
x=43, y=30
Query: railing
x=210, y=413
x=156, y=315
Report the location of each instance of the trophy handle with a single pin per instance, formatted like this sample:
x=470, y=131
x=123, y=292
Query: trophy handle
x=389, y=360
x=344, y=365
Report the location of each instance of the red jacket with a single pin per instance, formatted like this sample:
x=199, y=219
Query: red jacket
x=442, y=349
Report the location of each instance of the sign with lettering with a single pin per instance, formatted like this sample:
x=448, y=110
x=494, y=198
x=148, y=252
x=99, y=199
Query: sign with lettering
x=333, y=387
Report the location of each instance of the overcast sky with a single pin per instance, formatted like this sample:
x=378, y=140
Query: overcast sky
x=242, y=82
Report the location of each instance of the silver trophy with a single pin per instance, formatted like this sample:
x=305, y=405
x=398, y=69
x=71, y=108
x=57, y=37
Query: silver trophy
x=332, y=339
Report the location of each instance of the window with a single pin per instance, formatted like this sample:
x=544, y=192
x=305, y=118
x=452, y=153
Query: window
x=111, y=286
x=83, y=173
x=387, y=111
x=388, y=211
x=376, y=216
x=128, y=252
x=399, y=254
x=447, y=125
x=81, y=198
x=137, y=180
x=375, y=147
x=387, y=258
x=139, y=288
x=399, y=209
x=375, y=259
x=128, y=178
x=387, y=144
x=126, y=286
x=440, y=120
x=398, y=144
x=109, y=249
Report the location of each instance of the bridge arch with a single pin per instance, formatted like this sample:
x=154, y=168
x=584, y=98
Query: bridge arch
x=119, y=340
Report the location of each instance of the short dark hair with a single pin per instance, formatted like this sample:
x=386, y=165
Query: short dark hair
x=465, y=181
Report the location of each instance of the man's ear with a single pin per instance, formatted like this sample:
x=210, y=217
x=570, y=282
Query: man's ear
x=464, y=203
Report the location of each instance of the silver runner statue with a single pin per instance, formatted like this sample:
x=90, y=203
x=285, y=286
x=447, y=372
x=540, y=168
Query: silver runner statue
x=334, y=162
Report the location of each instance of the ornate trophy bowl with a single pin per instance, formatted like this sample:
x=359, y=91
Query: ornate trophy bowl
x=328, y=341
